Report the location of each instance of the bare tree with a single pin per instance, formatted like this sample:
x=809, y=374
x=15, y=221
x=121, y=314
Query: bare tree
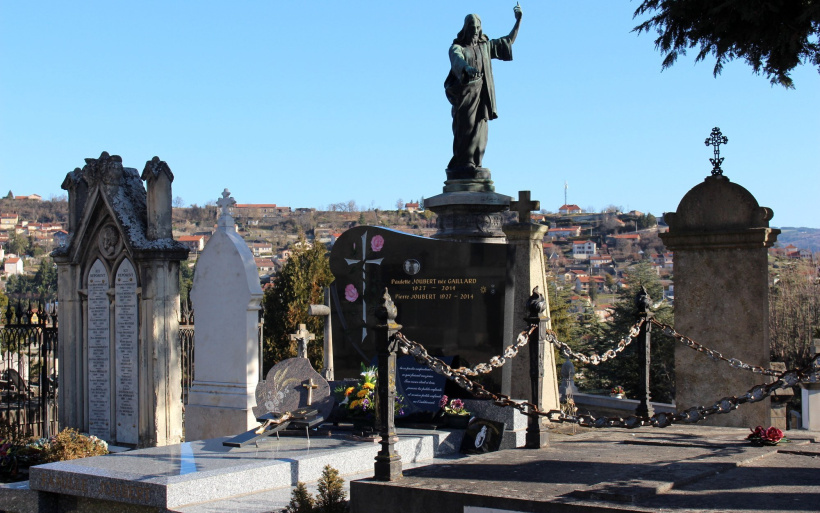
x=399, y=205
x=794, y=312
x=178, y=202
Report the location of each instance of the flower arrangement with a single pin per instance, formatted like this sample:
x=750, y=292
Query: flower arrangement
x=618, y=390
x=761, y=436
x=359, y=399
x=454, y=407
x=16, y=455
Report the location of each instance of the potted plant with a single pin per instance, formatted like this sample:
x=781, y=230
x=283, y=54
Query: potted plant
x=618, y=392
x=455, y=414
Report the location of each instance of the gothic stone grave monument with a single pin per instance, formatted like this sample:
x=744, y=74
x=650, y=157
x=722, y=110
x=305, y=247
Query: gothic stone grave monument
x=118, y=291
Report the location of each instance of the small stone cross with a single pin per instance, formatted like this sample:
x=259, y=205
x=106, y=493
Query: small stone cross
x=225, y=202
x=310, y=386
x=524, y=206
x=302, y=336
x=715, y=139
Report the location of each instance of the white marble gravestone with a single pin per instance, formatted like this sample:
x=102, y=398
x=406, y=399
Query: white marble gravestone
x=118, y=290
x=226, y=296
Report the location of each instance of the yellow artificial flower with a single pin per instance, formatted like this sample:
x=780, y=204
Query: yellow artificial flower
x=362, y=393
x=354, y=404
x=349, y=391
x=369, y=386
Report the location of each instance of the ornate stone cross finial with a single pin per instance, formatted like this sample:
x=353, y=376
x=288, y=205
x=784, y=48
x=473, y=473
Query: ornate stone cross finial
x=524, y=206
x=302, y=336
x=715, y=139
x=225, y=202
x=310, y=386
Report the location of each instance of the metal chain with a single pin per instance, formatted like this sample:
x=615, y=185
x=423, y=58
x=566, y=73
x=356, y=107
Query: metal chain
x=595, y=359
x=417, y=351
x=692, y=415
x=711, y=353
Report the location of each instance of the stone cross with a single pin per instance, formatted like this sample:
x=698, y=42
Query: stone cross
x=364, y=261
x=310, y=386
x=524, y=206
x=225, y=202
x=302, y=336
x=715, y=139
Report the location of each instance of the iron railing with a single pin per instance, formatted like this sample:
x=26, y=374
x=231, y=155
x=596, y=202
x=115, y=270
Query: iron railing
x=28, y=370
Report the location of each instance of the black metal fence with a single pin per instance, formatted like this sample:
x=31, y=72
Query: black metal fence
x=186, y=341
x=28, y=370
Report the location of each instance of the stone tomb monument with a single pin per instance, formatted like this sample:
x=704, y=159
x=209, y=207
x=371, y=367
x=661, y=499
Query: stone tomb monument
x=118, y=294
x=719, y=234
x=226, y=296
x=453, y=297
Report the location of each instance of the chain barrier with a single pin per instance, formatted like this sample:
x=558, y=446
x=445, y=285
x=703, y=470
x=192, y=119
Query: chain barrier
x=595, y=359
x=711, y=353
x=417, y=351
x=692, y=415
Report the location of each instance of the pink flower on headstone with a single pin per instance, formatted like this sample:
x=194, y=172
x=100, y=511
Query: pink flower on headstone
x=377, y=243
x=351, y=294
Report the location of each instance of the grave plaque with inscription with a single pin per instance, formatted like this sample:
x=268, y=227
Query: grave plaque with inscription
x=99, y=358
x=126, y=332
x=452, y=297
x=420, y=386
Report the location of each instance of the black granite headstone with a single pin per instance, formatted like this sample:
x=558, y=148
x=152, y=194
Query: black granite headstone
x=452, y=297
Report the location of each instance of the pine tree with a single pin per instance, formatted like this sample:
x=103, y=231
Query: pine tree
x=332, y=496
x=301, y=501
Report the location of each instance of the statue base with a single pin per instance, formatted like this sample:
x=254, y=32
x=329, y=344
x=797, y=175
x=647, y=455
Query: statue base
x=468, y=212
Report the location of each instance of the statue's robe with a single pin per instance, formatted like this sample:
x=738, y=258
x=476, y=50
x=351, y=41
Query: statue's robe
x=473, y=101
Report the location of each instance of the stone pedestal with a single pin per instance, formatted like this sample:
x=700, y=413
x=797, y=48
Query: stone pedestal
x=719, y=235
x=118, y=291
x=525, y=240
x=469, y=216
x=226, y=296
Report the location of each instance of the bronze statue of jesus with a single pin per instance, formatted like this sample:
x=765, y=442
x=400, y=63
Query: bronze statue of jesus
x=471, y=92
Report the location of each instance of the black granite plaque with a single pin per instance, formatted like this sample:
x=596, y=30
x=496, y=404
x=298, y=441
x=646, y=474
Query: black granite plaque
x=452, y=297
x=421, y=387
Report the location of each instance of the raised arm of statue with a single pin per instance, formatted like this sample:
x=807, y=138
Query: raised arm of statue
x=518, y=13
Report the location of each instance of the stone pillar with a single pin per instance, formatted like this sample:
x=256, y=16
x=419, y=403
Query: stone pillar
x=226, y=296
x=719, y=235
x=527, y=258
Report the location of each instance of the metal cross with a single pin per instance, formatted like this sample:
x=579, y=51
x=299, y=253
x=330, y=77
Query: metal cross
x=310, y=386
x=716, y=139
x=364, y=261
x=524, y=206
x=302, y=336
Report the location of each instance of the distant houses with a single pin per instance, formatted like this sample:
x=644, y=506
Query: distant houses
x=570, y=209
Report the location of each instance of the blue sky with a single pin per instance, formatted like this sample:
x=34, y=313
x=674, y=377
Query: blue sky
x=310, y=103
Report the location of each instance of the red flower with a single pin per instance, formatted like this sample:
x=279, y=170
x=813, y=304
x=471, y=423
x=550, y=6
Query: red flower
x=758, y=432
x=773, y=434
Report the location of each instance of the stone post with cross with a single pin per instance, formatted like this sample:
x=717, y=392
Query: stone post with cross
x=527, y=258
x=720, y=235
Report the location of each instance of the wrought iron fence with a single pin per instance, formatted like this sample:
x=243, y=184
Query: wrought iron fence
x=186, y=341
x=28, y=369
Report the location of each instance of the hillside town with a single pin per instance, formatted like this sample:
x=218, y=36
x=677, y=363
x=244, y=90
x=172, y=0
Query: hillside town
x=588, y=254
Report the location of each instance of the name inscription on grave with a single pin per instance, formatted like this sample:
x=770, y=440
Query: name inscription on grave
x=99, y=358
x=442, y=289
x=125, y=330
